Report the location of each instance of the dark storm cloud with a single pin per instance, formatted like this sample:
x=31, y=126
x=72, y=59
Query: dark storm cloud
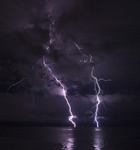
x=123, y=110
x=16, y=14
x=98, y=29
x=108, y=30
x=15, y=107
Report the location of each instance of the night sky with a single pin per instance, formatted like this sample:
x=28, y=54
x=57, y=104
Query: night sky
x=107, y=30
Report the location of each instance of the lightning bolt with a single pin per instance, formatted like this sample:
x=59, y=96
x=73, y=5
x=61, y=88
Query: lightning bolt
x=51, y=31
x=96, y=84
x=97, y=95
x=36, y=64
x=15, y=84
x=64, y=93
x=101, y=79
x=79, y=48
x=49, y=69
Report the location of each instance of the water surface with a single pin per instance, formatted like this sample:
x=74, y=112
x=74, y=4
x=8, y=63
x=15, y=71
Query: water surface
x=50, y=138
